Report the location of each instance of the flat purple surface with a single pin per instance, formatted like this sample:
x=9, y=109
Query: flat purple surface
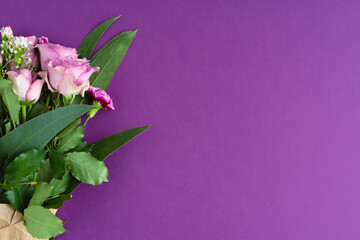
x=255, y=114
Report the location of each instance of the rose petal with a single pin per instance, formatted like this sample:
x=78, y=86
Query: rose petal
x=35, y=90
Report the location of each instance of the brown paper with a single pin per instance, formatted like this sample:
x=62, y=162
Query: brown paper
x=12, y=224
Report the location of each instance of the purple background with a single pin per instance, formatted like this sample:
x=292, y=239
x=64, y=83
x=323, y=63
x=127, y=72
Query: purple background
x=255, y=114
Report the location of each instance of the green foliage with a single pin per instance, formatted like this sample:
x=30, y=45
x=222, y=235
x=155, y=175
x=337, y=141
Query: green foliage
x=57, y=162
x=103, y=148
x=69, y=128
x=23, y=165
x=86, y=168
x=42, y=192
x=109, y=57
x=57, y=202
x=71, y=140
x=45, y=174
x=87, y=46
x=36, y=110
x=19, y=196
x=83, y=147
x=10, y=100
x=60, y=185
x=42, y=223
x=37, y=132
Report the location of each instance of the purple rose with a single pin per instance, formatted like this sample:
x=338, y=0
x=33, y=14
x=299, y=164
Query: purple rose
x=69, y=76
x=50, y=51
x=26, y=85
x=101, y=96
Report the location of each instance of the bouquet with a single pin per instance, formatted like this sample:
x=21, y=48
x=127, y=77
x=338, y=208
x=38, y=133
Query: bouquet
x=48, y=93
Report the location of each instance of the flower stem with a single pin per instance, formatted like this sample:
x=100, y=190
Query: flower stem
x=23, y=111
x=48, y=100
x=87, y=119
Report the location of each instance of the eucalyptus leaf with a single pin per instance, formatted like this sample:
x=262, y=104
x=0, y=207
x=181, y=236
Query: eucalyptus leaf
x=37, y=132
x=69, y=128
x=109, y=57
x=42, y=223
x=86, y=168
x=71, y=140
x=11, y=101
x=36, y=110
x=103, y=148
x=87, y=46
x=57, y=162
x=42, y=192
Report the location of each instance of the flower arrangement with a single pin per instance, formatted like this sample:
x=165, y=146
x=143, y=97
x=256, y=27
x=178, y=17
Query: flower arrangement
x=48, y=93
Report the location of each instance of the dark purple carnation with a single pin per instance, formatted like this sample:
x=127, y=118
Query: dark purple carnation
x=42, y=40
x=101, y=96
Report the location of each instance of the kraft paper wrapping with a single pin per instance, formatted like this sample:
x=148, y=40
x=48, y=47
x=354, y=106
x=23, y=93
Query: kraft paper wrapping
x=12, y=224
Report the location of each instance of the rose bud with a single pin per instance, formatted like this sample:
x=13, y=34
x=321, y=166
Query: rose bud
x=26, y=85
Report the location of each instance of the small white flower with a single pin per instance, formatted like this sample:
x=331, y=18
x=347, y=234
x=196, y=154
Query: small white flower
x=6, y=31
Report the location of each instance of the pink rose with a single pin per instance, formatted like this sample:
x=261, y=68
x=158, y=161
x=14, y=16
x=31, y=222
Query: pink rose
x=101, y=96
x=69, y=76
x=26, y=85
x=50, y=51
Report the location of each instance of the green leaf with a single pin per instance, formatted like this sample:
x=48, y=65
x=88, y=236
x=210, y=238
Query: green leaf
x=10, y=100
x=83, y=147
x=20, y=196
x=60, y=186
x=37, y=132
x=23, y=165
x=71, y=140
x=28, y=103
x=8, y=127
x=109, y=57
x=87, y=46
x=45, y=174
x=42, y=192
x=4, y=83
x=86, y=168
x=103, y=148
x=42, y=223
x=36, y=110
x=56, y=203
x=69, y=128
x=57, y=162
